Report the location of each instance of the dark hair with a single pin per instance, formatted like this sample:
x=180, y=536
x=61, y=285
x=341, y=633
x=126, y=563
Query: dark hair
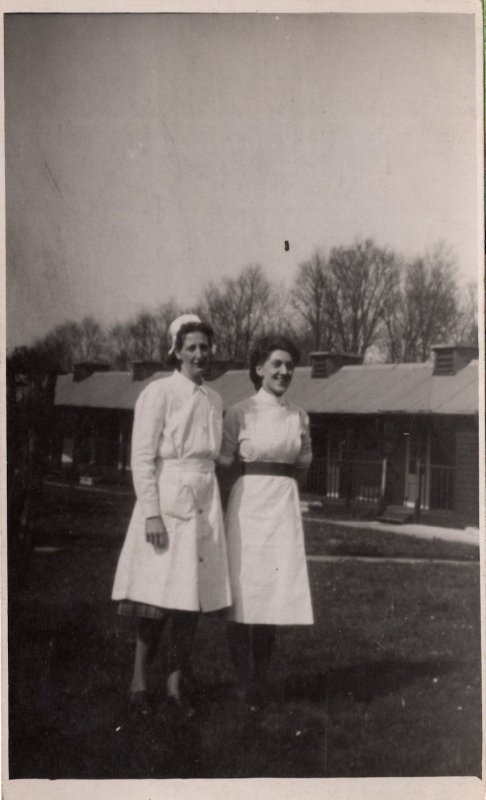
x=189, y=327
x=263, y=350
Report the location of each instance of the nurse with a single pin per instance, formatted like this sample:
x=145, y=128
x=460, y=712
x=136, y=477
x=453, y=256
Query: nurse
x=173, y=563
x=267, y=563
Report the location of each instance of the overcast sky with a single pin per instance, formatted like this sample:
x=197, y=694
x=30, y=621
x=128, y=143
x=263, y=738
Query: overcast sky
x=149, y=154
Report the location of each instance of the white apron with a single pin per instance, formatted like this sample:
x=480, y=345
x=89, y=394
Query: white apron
x=176, y=436
x=267, y=563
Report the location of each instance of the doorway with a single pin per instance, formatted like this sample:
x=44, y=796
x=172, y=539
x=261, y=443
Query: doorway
x=417, y=468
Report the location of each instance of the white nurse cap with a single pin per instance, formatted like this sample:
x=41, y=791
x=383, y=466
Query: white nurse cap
x=176, y=325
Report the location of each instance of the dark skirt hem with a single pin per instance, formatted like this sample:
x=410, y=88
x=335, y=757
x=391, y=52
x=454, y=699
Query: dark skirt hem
x=131, y=608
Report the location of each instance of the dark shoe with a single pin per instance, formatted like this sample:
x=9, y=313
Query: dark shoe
x=139, y=705
x=180, y=707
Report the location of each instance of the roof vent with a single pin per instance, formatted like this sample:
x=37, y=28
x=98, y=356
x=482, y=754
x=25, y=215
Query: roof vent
x=450, y=358
x=142, y=370
x=86, y=368
x=324, y=363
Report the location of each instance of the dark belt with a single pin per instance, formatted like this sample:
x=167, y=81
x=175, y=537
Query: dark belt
x=269, y=468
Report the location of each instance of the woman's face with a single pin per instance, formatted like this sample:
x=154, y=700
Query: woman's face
x=194, y=355
x=276, y=372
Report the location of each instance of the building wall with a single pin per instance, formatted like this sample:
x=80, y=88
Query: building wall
x=452, y=478
x=91, y=440
x=95, y=441
x=466, y=496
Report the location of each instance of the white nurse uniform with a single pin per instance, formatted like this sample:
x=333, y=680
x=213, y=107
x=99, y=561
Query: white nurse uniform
x=176, y=438
x=267, y=563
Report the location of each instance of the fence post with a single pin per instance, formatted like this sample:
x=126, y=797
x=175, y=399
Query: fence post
x=383, y=486
x=348, y=482
x=418, y=500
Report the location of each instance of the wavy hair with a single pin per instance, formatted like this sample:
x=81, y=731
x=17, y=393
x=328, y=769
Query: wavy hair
x=263, y=350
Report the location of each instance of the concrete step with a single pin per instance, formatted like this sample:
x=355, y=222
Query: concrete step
x=398, y=515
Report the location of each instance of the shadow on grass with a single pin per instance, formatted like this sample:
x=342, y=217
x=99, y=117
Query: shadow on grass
x=71, y=721
x=363, y=682
x=80, y=733
x=70, y=655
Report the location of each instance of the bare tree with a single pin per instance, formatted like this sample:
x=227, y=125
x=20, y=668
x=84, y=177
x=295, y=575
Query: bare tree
x=119, y=345
x=72, y=342
x=467, y=331
x=426, y=310
x=394, y=325
x=144, y=338
x=91, y=344
x=282, y=319
x=310, y=303
x=362, y=281
x=61, y=344
x=240, y=310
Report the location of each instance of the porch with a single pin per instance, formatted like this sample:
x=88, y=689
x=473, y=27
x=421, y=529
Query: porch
x=363, y=484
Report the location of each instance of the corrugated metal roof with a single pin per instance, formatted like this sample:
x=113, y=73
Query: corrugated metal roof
x=364, y=389
x=102, y=390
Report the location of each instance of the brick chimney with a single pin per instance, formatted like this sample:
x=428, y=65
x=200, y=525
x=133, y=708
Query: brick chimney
x=84, y=369
x=451, y=358
x=142, y=370
x=325, y=363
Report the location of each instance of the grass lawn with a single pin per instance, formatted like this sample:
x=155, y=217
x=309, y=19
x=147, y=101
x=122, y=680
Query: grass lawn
x=386, y=683
x=330, y=539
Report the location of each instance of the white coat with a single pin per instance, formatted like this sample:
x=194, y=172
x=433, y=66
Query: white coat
x=176, y=437
x=268, y=569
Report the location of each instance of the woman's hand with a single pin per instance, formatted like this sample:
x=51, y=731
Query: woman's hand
x=225, y=461
x=156, y=533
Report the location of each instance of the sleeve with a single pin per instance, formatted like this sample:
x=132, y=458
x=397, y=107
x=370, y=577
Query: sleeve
x=305, y=455
x=148, y=424
x=229, y=447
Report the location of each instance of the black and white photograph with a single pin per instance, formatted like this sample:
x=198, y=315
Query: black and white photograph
x=244, y=398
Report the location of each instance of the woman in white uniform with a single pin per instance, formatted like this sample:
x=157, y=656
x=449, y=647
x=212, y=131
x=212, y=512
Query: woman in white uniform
x=173, y=563
x=267, y=563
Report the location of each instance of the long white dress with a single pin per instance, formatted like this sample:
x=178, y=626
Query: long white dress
x=268, y=570
x=176, y=437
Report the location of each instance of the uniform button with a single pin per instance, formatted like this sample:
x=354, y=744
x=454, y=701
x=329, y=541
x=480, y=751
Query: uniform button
x=200, y=510
x=201, y=560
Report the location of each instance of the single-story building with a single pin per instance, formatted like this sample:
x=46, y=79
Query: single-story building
x=396, y=435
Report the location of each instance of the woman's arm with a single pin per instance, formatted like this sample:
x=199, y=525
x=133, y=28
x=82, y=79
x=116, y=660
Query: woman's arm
x=228, y=468
x=148, y=424
x=229, y=447
x=305, y=456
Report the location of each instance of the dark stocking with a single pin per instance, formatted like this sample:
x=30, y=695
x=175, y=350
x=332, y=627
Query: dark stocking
x=183, y=631
x=263, y=639
x=148, y=635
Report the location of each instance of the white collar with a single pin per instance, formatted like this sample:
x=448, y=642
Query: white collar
x=186, y=384
x=269, y=399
